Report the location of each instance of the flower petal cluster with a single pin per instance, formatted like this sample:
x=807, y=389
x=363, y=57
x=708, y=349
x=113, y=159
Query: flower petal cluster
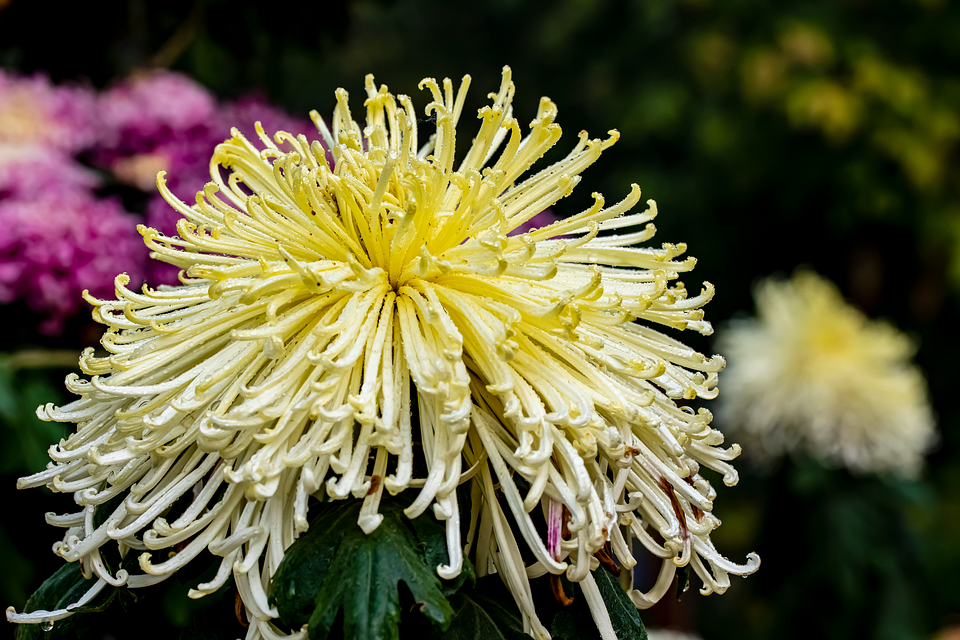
x=56, y=237
x=813, y=375
x=52, y=247
x=152, y=106
x=34, y=111
x=29, y=171
x=367, y=324
x=165, y=121
x=41, y=127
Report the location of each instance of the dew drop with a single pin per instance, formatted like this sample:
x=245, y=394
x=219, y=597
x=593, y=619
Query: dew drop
x=683, y=581
x=46, y=625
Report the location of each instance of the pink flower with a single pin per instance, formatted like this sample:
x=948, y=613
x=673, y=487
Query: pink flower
x=34, y=111
x=150, y=108
x=543, y=219
x=155, y=121
x=245, y=112
x=55, y=246
x=166, y=121
x=28, y=170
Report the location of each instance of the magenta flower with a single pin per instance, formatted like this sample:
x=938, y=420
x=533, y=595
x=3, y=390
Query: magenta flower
x=34, y=111
x=148, y=109
x=248, y=110
x=29, y=170
x=55, y=246
x=160, y=121
x=165, y=121
x=187, y=156
x=543, y=219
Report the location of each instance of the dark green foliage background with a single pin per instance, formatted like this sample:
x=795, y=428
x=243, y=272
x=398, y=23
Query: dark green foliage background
x=772, y=133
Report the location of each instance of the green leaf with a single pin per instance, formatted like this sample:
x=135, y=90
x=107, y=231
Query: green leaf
x=48, y=595
x=477, y=617
x=306, y=564
x=77, y=625
x=575, y=622
x=433, y=538
x=99, y=603
x=335, y=566
x=564, y=627
x=623, y=613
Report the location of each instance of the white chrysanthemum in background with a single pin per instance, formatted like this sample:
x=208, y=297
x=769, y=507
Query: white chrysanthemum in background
x=670, y=634
x=812, y=374
x=321, y=304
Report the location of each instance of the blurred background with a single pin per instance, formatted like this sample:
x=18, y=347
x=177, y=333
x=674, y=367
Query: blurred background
x=773, y=134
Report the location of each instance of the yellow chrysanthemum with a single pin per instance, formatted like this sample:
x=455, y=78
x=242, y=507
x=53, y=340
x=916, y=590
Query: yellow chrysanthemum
x=321, y=305
x=814, y=375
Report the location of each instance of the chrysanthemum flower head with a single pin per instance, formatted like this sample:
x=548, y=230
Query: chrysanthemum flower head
x=370, y=325
x=55, y=246
x=159, y=121
x=34, y=111
x=812, y=374
x=31, y=170
x=154, y=105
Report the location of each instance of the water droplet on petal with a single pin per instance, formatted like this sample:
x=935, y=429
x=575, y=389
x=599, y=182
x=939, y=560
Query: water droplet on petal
x=46, y=625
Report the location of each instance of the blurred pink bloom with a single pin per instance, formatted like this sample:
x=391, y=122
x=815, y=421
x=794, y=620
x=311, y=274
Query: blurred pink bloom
x=34, y=111
x=165, y=121
x=28, y=170
x=245, y=112
x=543, y=219
x=55, y=246
x=150, y=108
x=160, y=121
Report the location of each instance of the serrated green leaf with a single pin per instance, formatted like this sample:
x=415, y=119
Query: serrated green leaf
x=366, y=572
x=50, y=593
x=99, y=603
x=571, y=622
x=478, y=616
x=433, y=538
x=306, y=564
x=335, y=566
x=623, y=613
x=78, y=624
x=564, y=627
x=575, y=622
